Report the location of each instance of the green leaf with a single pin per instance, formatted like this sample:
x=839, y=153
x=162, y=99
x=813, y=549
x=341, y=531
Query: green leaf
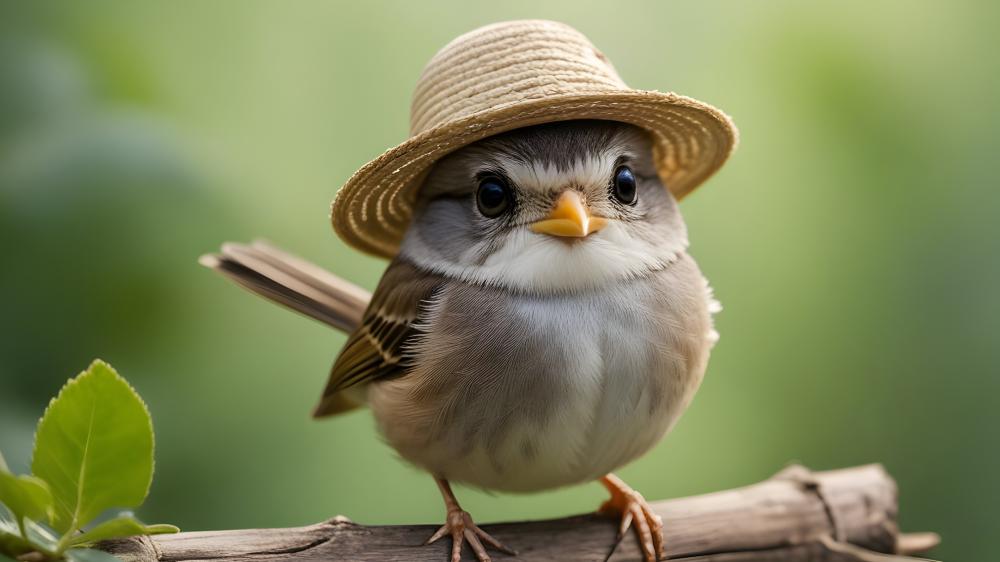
x=40, y=537
x=25, y=496
x=94, y=447
x=12, y=543
x=162, y=529
x=90, y=555
x=37, y=537
x=120, y=527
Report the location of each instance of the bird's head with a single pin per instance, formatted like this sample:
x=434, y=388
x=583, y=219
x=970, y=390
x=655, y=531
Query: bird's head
x=558, y=207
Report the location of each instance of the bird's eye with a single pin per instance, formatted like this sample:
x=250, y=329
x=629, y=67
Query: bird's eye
x=623, y=185
x=493, y=196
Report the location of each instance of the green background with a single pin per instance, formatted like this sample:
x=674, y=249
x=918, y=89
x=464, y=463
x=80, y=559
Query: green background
x=853, y=240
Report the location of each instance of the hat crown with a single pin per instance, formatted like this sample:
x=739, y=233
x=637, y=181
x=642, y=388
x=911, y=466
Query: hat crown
x=508, y=63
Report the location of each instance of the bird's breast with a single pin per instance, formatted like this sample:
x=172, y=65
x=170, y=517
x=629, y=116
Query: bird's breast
x=527, y=392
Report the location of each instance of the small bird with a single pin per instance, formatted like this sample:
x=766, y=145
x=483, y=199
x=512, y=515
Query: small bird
x=540, y=324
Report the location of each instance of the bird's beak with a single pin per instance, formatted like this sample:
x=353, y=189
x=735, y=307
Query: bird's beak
x=569, y=218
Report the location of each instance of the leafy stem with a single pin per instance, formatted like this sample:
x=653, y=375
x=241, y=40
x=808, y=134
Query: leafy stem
x=93, y=451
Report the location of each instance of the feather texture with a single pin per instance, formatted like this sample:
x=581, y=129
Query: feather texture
x=293, y=282
x=378, y=349
x=525, y=392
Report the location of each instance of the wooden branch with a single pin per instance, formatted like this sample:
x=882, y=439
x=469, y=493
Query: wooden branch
x=837, y=516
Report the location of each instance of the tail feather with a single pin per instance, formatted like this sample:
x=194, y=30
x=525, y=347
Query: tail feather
x=291, y=282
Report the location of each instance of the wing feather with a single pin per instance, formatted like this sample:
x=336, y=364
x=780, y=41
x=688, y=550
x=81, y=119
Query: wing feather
x=377, y=349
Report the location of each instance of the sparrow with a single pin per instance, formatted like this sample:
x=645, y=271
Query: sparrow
x=541, y=326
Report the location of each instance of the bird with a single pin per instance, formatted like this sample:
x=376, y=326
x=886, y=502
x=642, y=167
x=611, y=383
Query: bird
x=541, y=322
x=542, y=325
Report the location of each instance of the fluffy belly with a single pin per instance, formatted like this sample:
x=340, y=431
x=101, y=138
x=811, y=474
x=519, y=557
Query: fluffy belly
x=603, y=419
x=523, y=394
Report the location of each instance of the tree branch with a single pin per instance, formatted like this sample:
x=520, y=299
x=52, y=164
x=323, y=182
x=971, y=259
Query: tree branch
x=844, y=515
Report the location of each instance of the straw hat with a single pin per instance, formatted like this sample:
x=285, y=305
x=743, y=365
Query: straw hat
x=510, y=75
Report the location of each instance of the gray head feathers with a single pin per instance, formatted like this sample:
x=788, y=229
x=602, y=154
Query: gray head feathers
x=451, y=237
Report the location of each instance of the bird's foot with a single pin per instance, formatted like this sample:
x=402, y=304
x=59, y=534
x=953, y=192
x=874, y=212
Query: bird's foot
x=634, y=511
x=460, y=526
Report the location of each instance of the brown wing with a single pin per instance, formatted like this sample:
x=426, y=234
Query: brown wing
x=376, y=349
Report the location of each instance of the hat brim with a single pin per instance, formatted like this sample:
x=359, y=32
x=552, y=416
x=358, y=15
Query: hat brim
x=691, y=140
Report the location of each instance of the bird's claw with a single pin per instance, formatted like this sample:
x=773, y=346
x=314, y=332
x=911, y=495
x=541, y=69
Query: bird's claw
x=635, y=511
x=462, y=528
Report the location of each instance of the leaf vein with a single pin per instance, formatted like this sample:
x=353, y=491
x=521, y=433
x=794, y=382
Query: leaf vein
x=83, y=468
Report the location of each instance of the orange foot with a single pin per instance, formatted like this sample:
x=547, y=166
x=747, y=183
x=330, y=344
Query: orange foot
x=632, y=508
x=460, y=526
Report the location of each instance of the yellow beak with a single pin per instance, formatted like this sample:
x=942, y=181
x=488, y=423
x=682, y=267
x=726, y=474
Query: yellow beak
x=569, y=218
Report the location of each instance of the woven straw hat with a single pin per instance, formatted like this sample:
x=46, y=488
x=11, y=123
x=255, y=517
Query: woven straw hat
x=510, y=75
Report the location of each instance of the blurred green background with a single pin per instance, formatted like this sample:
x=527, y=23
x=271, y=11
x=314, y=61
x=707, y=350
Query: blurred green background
x=853, y=240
